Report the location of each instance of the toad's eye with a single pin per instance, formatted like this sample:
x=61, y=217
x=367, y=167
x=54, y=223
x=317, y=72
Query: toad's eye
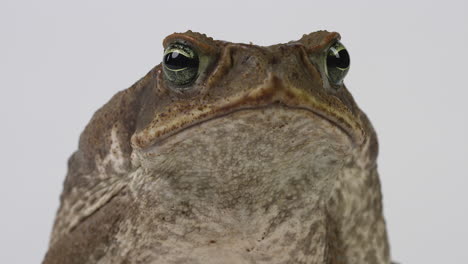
x=337, y=63
x=180, y=64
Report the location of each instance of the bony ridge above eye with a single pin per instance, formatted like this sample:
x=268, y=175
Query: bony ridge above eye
x=337, y=63
x=180, y=64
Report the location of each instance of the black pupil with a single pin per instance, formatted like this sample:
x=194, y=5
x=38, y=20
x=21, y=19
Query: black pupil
x=338, y=59
x=176, y=61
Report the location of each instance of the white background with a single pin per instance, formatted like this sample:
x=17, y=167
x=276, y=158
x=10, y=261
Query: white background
x=61, y=60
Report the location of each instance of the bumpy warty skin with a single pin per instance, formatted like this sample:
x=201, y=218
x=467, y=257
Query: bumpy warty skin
x=260, y=160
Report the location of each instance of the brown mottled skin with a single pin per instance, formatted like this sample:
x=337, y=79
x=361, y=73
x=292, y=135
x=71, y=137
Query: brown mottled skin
x=260, y=160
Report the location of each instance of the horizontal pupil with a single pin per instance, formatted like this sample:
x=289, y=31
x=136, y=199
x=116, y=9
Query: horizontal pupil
x=176, y=61
x=339, y=60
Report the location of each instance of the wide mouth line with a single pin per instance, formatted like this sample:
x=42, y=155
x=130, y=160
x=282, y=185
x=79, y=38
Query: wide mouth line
x=171, y=134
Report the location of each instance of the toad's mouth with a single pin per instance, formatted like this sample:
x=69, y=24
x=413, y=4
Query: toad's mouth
x=271, y=94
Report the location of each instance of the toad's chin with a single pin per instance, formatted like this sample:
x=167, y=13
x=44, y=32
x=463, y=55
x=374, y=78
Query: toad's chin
x=261, y=151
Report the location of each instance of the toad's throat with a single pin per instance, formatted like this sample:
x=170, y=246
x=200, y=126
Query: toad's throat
x=250, y=155
x=270, y=94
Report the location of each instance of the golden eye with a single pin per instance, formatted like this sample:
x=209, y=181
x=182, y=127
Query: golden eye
x=337, y=62
x=180, y=64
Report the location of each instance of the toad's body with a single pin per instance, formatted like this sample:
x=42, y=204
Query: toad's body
x=248, y=155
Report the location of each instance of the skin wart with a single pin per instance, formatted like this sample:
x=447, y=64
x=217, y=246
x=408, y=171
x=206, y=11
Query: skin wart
x=249, y=155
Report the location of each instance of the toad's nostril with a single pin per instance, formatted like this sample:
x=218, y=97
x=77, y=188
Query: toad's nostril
x=245, y=59
x=274, y=60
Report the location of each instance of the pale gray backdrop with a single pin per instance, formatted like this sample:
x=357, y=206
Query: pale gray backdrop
x=61, y=60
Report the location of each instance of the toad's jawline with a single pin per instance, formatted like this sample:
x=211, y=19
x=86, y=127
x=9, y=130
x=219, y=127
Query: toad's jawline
x=272, y=92
x=278, y=105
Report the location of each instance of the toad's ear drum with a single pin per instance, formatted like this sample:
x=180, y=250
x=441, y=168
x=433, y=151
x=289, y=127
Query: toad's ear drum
x=337, y=62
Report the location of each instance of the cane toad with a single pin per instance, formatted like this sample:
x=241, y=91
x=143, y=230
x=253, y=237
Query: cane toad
x=227, y=153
